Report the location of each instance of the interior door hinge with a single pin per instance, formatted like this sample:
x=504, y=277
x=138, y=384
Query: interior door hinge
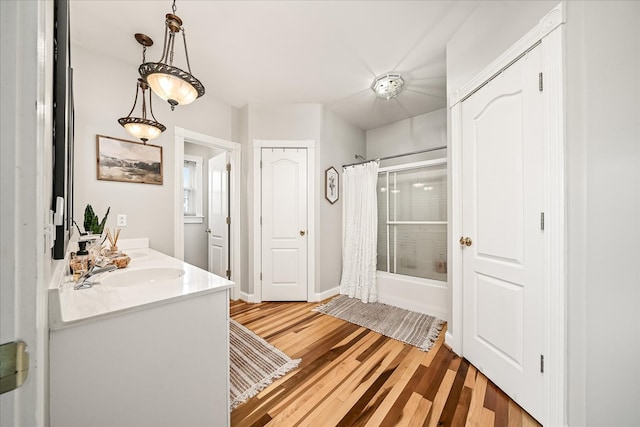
x=542, y=221
x=14, y=365
x=260, y=276
x=228, y=274
x=260, y=220
x=540, y=86
x=228, y=220
x=228, y=167
x=260, y=164
x=542, y=363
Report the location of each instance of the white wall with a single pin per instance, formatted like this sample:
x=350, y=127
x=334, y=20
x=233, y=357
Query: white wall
x=603, y=208
x=104, y=91
x=406, y=136
x=602, y=193
x=490, y=30
x=196, y=239
x=334, y=139
x=341, y=141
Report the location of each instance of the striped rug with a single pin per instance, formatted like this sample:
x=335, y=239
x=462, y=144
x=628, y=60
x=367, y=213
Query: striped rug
x=417, y=329
x=254, y=363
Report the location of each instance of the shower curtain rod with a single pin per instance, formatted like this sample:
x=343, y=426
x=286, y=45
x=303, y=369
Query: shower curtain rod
x=398, y=155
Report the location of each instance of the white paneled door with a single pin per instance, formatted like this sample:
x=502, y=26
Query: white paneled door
x=503, y=241
x=284, y=224
x=218, y=215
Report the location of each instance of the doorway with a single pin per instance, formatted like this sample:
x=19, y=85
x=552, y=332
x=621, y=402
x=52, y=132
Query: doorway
x=231, y=151
x=284, y=217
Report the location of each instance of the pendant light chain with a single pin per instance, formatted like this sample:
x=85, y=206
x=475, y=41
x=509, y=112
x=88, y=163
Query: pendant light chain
x=174, y=7
x=135, y=101
x=186, y=53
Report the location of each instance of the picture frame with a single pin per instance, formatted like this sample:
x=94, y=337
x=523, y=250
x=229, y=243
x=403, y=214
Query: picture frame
x=331, y=185
x=128, y=161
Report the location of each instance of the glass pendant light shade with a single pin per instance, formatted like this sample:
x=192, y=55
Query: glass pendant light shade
x=172, y=84
x=145, y=130
x=388, y=86
x=142, y=127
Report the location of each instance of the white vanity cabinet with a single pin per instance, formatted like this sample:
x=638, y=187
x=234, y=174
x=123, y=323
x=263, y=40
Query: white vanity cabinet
x=163, y=362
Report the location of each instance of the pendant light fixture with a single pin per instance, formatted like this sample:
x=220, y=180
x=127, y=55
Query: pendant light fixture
x=174, y=85
x=141, y=127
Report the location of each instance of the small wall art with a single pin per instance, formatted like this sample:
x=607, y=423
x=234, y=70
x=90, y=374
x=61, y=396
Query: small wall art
x=331, y=185
x=128, y=161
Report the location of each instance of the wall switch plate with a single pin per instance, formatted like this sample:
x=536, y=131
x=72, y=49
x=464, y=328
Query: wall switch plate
x=122, y=220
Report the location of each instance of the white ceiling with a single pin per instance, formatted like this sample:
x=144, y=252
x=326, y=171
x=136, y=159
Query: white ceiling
x=325, y=52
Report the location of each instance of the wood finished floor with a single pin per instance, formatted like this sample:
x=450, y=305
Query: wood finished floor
x=351, y=376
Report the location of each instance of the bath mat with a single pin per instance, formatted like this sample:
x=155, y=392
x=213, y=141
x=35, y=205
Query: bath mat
x=254, y=363
x=417, y=329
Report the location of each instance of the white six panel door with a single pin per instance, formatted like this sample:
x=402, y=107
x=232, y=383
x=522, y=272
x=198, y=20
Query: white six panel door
x=284, y=224
x=218, y=228
x=503, y=198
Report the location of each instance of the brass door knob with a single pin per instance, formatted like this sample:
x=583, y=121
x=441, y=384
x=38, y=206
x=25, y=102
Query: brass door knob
x=465, y=241
x=302, y=232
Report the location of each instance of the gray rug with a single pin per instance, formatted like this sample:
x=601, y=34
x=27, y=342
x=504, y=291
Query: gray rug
x=417, y=329
x=254, y=363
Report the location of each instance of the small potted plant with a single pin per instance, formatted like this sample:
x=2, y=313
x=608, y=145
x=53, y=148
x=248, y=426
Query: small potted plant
x=92, y=223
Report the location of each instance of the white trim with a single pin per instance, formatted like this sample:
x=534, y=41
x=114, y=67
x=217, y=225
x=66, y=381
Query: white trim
x=251, y=298
x=321, y=296
x=258, y=145
x=550, y=32
x=233, y=148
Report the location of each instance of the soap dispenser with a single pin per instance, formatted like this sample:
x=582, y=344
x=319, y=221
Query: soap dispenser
x=80, y=262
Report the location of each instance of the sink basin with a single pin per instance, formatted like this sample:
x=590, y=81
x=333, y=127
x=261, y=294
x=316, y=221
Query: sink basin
x=142, y=276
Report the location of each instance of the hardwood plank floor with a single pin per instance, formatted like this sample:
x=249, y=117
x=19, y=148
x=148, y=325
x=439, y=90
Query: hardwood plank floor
x=351, y=376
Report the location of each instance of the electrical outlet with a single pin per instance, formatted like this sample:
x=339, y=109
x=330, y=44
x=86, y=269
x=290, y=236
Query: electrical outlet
x=122, y=220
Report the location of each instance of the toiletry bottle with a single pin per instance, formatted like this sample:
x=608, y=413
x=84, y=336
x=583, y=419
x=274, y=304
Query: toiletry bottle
x=81, y=260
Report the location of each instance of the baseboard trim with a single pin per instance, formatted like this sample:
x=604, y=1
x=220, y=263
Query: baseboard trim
x=321, y=296
x=247, y=297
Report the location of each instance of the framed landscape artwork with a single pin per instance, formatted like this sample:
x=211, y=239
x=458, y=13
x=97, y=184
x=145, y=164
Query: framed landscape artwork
x=331, y=187
x=128, y=161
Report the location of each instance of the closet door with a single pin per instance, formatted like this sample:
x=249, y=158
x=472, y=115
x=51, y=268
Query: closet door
x=284, y=224
x=503, y=241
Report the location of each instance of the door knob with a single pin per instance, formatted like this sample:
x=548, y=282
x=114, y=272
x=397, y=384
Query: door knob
x=302, y=232
x=208, y=230
x=465, y=241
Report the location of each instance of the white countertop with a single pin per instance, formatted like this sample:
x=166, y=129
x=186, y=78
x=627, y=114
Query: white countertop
x=69, y=307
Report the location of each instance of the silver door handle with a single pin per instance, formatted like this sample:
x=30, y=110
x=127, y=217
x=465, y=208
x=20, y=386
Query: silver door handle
x=208, y=230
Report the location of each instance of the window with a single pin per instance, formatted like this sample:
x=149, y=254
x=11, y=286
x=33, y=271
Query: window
x=412, y=220
x=193, y=190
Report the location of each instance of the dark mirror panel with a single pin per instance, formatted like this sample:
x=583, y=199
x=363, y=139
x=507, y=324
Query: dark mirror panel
x=62, y=126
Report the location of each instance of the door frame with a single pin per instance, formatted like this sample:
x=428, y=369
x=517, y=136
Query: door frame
x=233, y=148
x=310, y=146
x=549, y=33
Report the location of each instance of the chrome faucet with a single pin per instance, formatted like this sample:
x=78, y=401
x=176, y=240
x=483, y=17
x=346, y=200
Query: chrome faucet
x=85, y=281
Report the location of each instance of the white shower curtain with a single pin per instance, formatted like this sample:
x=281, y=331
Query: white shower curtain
x=360, y=232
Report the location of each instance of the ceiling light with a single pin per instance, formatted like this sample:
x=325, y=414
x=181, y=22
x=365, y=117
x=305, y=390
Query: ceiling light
x=141, y=127
x=387, y=86
x=428, y=188
x=174, y=85
x=418, y=184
